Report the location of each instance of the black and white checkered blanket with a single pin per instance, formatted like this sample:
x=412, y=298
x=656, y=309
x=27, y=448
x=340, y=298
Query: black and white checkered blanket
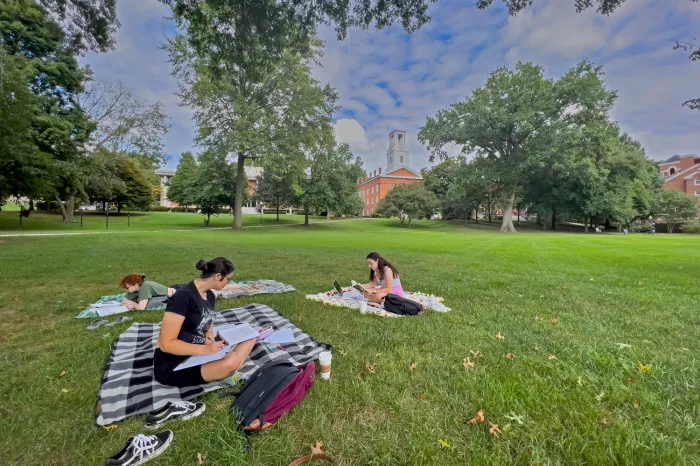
x=129, y=388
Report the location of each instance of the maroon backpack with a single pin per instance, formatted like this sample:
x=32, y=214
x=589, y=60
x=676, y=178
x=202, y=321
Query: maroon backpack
x=273, y=390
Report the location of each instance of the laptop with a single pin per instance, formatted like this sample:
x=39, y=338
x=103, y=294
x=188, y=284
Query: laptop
x=337, y=287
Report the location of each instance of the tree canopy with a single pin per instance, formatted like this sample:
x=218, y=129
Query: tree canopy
x=409, y=201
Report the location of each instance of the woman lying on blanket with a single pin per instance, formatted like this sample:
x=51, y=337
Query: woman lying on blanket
x=384, y=279
x=139, y=291
x=187, y=330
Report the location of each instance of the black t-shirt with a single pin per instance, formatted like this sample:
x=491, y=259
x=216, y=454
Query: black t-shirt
x=198, y=313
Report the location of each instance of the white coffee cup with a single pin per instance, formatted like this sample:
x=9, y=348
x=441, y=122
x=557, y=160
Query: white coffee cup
x=363, y=307
x=325, y=360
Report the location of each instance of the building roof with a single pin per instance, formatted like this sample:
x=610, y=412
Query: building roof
x=683, y=172
x=677, y=158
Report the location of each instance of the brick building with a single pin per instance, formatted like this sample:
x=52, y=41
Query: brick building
x=682, y=173
x=376, y=185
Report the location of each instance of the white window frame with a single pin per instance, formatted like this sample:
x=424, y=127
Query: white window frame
x=697, y=182
x=697, y=193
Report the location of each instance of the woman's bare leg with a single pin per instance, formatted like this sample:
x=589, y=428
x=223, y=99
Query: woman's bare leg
x=221, y=369
x=376, y=297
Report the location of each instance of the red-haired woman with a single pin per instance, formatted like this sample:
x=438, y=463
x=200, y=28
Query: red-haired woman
x=139, y=291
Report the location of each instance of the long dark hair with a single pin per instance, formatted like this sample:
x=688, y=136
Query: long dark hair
x=381, y=265
x=219, y=265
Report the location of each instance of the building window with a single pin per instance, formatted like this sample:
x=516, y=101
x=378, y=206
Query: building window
x=672, y=171
x=697, y=193
x=402, y=159
x=665, y=174
x=377, y=200
x=697, y=182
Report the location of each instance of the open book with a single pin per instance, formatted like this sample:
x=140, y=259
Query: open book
x=232, y=334
x=359, y=287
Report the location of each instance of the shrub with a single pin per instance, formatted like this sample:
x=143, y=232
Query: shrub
x=692, y=228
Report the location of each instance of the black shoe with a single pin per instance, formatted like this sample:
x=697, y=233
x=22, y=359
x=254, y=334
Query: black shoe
x=137, y=450
x=182, y=410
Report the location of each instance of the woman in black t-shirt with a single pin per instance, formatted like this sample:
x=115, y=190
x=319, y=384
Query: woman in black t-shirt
x=187, y=330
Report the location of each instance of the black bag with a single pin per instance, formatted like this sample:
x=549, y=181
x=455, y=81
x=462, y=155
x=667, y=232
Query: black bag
x=273, y=390
x=397, y=305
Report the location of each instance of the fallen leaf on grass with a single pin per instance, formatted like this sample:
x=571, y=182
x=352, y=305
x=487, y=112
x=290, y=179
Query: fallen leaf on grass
x=468, y=364
x=555, y=320
x=421, y=396
x=478, y=417
x=343, y=353
x=476, y=355
x=631, y=380
x=370, y=367
x=510, y=356
x=62, y=373
x=200, y=459
x=377, y=355
x=500, y=337
x=64, y=390
x=605, y=422
x=413, y=366
x=644, y=368
x=538, y=317
x=444, y=444
x=685, y=349
x=494, y=430
x=623, y=345
x=317, y=449
x=552, y=358
x=636, y=404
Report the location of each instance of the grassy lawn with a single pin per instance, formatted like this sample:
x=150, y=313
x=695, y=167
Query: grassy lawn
x=38, y=221
x=571, y=296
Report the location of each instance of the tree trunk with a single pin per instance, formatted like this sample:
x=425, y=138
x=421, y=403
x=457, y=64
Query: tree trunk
x=306, y=217
x=507, y=225
x=119, y=207
x=278, y=212
x=328, y=215
x=208, y=217
x=585, y=224
x=409, y=222
x=476, y=214
x=31, y=204
x=238, y=203
x=518, y=215
x=619, y=227
x=554, y=220
x=64, y=214
x=70, y=209
x=104, y=206
x=489, y=206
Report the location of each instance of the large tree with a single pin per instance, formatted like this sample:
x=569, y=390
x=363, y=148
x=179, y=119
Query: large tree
x=516, y=116
x=675, y=208
x=439, y=179
x=281, y=116
x=183, y=187
x=58, y=126
x=216, y=183
x=276, y=188
x=139, y=192
x=409, y=201
x=89, y=24
x=124, y=123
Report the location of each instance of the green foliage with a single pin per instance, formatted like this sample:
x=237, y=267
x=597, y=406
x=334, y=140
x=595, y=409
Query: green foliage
x=275, y=188
x=516, y=119
x=439, y=179
x=409, y=201
x=89, y=24
x=692, y=228
x=139, y=192
x=215, y=184
x=475, y=184
x=183, y=186
x=675, y=208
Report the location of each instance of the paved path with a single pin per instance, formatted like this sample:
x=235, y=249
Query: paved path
x=77, y=233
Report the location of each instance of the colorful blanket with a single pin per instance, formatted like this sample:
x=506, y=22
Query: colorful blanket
x=129, y=389
x=111, y=304
x=234, y=290
x=350, y=301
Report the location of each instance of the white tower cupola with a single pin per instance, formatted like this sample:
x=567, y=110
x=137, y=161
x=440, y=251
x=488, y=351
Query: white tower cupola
x=397, y=155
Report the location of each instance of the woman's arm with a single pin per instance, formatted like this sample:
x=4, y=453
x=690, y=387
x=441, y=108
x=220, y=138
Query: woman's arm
x=389, y=280
x=140, y=306
x=169, y=343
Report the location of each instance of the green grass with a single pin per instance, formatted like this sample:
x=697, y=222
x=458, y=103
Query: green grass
x=579, y=409
x=137, y=221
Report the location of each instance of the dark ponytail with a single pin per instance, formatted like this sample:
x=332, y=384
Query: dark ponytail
x=381, y=265
x=219, y=265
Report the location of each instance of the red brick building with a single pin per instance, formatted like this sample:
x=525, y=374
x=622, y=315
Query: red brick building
x=376, y=185
x=682, y=173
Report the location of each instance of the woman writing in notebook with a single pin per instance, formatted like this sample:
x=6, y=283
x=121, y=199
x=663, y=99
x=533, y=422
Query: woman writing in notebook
x=188, y=330
x=384, y=279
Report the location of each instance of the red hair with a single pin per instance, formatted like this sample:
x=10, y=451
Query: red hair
x=132, y=279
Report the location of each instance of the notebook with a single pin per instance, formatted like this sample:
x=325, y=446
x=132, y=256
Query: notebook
x=232, y=335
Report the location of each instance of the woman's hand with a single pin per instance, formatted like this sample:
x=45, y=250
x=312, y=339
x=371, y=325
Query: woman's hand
x=212, y=347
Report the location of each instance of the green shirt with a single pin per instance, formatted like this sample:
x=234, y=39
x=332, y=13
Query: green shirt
x=148, y=290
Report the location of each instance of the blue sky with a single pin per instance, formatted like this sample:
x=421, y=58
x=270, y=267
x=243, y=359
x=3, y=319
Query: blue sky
x=391, y=80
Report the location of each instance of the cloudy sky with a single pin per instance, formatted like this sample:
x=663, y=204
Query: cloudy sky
x=391, y=80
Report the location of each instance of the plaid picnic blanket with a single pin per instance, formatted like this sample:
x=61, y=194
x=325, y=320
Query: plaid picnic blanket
x=114, y=306
x=129, y=389
x=234, y=290
x=331, y=298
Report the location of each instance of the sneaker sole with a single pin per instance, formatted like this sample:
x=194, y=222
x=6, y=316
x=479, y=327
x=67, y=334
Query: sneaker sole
x=156, y=453
x=186, y=417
